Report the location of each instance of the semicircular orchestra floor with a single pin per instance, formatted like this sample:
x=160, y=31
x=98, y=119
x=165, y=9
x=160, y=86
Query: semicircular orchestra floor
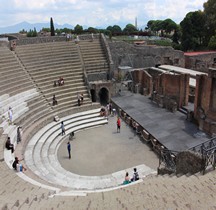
x=100, y=151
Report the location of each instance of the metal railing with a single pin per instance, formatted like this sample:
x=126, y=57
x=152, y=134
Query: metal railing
x=167, y=159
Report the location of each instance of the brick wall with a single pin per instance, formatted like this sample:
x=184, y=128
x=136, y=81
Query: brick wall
x=205, y=102
x=144, y=79
x=174, y=86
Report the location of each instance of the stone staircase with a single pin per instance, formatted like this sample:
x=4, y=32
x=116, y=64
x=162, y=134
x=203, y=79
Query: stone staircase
x=93, y=56
x=48, y=62
x=14, y=80
x=153, y=192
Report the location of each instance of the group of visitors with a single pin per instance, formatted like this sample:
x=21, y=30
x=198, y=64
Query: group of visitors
x=59, y=82
x=80, y=99
x=133, y=179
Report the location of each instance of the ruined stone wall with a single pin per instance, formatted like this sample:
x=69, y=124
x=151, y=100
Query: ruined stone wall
x=188, y=162
x=144, y=79
x=205, y=102
x=202, y=94
x=124, y=54
x=201, y=62
x=174, y=87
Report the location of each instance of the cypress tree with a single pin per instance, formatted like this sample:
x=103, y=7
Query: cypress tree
x=52, y=27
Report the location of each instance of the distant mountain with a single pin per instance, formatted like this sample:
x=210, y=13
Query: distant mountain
x=27, y=26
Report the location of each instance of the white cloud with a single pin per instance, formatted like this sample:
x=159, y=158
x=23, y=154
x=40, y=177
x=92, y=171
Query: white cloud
x=95, y=12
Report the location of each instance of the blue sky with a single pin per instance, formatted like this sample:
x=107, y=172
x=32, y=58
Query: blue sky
x=95, y=12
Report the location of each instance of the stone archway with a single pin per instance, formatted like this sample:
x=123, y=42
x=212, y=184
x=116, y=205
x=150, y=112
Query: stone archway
x=104, y=96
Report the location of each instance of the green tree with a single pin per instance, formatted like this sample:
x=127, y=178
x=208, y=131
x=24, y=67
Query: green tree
x=168, y=26
x=46, y=29
x=52, y=29
x=193, y=30
x=92, y=30
x=23, y=31
x=78, y=29
x=129, y=29
x=32, y=33
x=210, y=14
x=116, y=30
x=155, y=26
x=212, y=43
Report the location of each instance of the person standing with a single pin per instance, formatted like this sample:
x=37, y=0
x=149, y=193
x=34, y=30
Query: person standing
x=69, y=149
x=78, y=99
x=19, y=134
x=10, y=115
x=118, y=125
x=62, y=128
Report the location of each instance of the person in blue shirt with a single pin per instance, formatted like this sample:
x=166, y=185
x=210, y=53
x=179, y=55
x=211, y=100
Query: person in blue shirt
x=69, y=149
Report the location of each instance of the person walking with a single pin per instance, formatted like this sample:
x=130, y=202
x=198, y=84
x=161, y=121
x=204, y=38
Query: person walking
x=118, y=125
x=62, y=128
x=69, y=149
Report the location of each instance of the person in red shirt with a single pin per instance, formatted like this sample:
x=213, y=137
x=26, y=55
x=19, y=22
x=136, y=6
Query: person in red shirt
x=118, y=124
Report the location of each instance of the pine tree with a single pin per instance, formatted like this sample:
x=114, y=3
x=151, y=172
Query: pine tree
x=52, y=27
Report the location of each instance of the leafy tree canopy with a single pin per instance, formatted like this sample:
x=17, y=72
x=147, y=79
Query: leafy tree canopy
x=78, y=29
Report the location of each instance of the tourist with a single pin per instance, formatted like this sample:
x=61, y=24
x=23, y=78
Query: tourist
x=9, y=146
x=69, y=149
x=55, y=84
x=103, y=112
x=135, y=176
x=78, y=99
x=54, y=101
x=17, y=165
x=118, y=125
x=10, y=115
x=127, y=179
x=62, y=128
x=61, y=81
x=19, y=134
x=81, y=98
x=110, y=108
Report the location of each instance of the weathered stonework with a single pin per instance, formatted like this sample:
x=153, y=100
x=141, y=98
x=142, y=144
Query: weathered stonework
x=205, y=102
x=125, y=54
x=168, y=90
x=188, y=162
x=201, y=62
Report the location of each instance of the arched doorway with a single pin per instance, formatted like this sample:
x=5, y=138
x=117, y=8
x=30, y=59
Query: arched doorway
x=104, y=96
x=93, y=95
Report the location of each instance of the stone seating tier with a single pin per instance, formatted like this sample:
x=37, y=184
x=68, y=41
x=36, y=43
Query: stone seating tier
x=72, y=84
x=18, y=88
x=50, y=63
x=37, y=107
x=70, y=76
x=57, y=55
x=59, y=69
x=61, y=72
x=16, y=192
